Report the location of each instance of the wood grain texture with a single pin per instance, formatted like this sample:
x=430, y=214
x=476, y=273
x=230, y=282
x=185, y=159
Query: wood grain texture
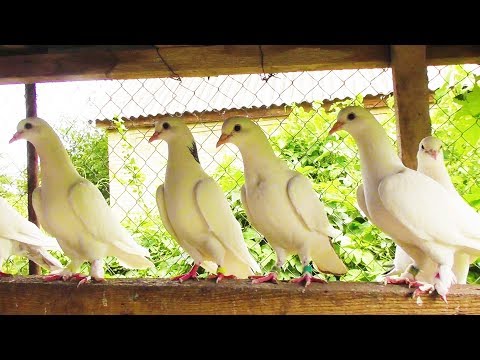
x=31, y=295
x=32, y=166
x=410, y=87
x=68, y=63
x=186, y=61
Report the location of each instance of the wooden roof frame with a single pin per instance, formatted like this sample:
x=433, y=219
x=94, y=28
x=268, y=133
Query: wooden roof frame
x=21, y=64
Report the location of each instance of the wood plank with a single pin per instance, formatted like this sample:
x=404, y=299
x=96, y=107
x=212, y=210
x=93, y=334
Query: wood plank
x=410, y=87
x=31, y=295
x=453, y=54
x=121, y=62
x=185, y=61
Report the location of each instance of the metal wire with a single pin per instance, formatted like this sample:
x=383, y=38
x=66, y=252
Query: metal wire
x=105, y=126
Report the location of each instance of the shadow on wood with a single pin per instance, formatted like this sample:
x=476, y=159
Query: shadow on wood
x=31, y=295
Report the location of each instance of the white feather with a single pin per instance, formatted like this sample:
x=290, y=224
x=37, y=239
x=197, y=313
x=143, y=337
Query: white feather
x=73, y=210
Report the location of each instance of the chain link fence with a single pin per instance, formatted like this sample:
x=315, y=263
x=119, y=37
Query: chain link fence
x=105, y=126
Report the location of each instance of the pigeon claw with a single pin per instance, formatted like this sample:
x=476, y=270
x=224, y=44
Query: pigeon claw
x=308, y=279
x=182, y=278
x=258, y=279
x=191, y=274
x=395, y=280
x=220, y=277
x=53, y=277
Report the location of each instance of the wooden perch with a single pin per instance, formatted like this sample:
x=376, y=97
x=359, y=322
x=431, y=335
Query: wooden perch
x=31, y=295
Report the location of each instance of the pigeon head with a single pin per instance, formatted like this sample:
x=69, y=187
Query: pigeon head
x=430, y=148
x=353, y=119
x=171, y=130
x=239, y=131
x=32, y=129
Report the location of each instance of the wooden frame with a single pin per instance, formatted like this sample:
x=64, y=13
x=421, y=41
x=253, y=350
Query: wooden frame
x=21, y=295
x=123, y=62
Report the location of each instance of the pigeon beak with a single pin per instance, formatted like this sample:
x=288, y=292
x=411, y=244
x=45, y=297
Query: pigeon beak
x=337, y=126
x=18, y=135
x=433, y=154
x=223, y=139
x=155, y=136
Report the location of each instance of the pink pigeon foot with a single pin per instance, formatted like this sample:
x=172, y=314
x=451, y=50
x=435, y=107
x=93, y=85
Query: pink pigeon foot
x=191, y=274
x=258, y=279
x=53, y=277
x=308, y=278
x=396, y=280
x=77, y=276
x=2, y=274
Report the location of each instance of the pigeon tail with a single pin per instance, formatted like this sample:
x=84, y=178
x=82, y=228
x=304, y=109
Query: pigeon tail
x=326, y=259
x=43, y=258
x=233, y=266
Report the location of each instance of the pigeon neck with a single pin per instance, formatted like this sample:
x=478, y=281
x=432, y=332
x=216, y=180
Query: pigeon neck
x=437, y=172
x=183, y=153
x=378, y=158
x=54, y=159
x=258, y=154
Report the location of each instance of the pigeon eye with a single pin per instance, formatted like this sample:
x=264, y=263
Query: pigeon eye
x=166, y=126
x=351, y=116
x=237, y=127
x=423, y=147
x=28, y=126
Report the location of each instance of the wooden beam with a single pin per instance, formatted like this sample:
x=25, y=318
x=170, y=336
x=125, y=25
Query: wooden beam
x=453, y=54
x=185, y=61
x=31, y=295
x=410, y=87
x=70, y=63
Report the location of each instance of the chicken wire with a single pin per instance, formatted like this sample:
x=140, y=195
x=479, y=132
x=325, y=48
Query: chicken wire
x=102, y=124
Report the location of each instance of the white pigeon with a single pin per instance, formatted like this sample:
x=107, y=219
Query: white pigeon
x=416, y=211
x=74, y=211
x=281, y=204
x=20, y=237
x=431, y=163
x=196, y=213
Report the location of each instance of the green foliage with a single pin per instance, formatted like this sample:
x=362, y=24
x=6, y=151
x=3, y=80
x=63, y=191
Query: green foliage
x=455, y=120
x=88, y=149
x=330, y=162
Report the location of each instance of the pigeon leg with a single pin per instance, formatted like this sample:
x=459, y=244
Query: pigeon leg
x=97, y=271
x=191, y=274
x=220, y=275
x=307, y=277
x=2, y=274
x=443, y=280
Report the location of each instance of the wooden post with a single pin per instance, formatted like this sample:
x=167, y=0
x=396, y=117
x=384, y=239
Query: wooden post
x=410, y=86
x=32, y=166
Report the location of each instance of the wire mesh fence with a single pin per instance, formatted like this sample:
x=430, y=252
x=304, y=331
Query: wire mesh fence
x=105, y=126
